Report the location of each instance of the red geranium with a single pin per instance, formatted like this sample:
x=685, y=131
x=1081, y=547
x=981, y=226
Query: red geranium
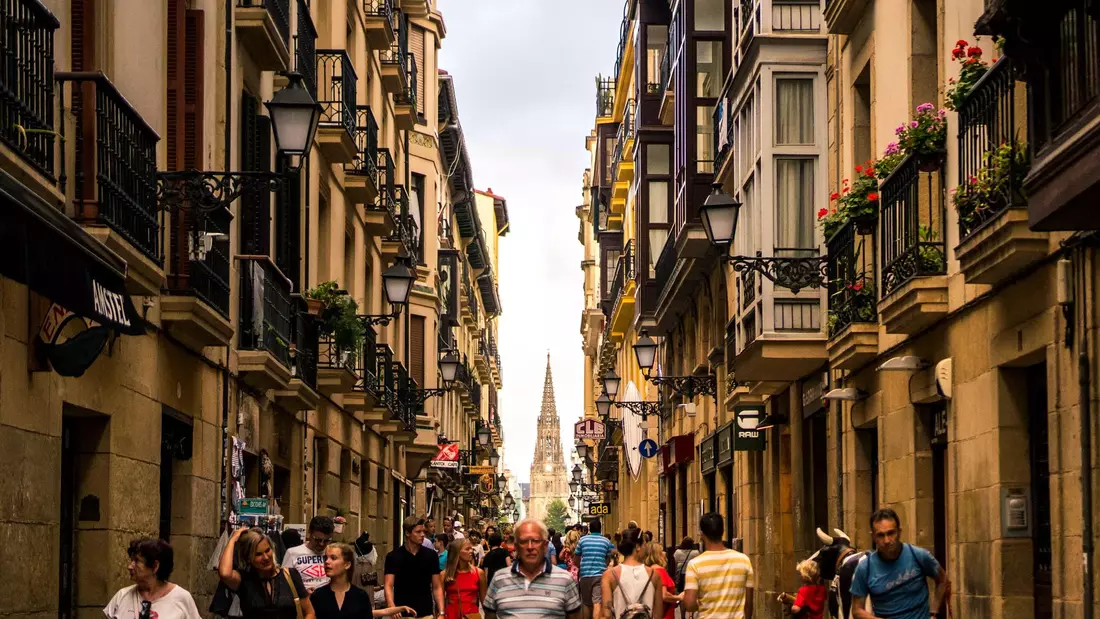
x=873, y=196
x=834, y=196
x=823, y=212
x=974, y=52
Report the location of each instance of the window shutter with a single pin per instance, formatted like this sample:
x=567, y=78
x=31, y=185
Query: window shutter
x=82, y=35
x=416, y=344
x=177, y=51
x=194, y=91
x=255, y=157
x=416, y=47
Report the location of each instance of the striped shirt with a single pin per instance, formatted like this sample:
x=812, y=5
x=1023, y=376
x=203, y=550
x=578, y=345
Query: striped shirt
x=550, y=594
x=594, y=550
x=721, y=579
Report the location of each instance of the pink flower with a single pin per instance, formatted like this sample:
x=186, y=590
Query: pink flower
x=900, y=130
x=913, y=124
x=925, y=107
x=892, y=148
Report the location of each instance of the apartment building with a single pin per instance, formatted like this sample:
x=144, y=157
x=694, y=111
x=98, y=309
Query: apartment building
x=203, y=324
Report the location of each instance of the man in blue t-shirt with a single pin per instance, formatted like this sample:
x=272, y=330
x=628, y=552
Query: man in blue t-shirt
x=894, y=576
x=594, y=551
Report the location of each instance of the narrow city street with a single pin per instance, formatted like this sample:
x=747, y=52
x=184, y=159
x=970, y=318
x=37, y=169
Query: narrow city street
x=799, y=300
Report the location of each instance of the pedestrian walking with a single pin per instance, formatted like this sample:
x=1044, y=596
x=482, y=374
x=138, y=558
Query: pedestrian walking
x=497, y=558
x=594, y=551
x=463, y=583
x=291, y=538
x=151, y=595
x=450, y=530
x=309, y=558
x=429, y=532
x=718, y=582
x=569, y=556
x=441, y=542
x=655, y=557
x=265, y=590
x=895, y=575
x=339, y=598
x=552, y=548
x=413, y=577
x=809, y=602
x=632, y=588
x=532, y=587
x=509, y=537
x=683, y=555
x=479, y=546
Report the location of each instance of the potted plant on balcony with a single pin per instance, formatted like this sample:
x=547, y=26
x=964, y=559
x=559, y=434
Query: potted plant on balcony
x=925, y=137
x=971, y=69
x=340, y=319
x=857, y=202
x=316, y=298
x=853, y=302
x=988, y=192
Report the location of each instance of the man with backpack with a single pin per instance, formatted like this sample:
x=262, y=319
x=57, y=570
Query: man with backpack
x=719, y=582
x=895, y=575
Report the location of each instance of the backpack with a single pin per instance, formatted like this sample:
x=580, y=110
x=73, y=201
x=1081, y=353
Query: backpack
x=637, y=610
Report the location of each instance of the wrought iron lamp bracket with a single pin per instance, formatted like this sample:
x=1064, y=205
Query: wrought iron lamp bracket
x=383, y=319
x=211, y=191
x=688, y=386
x=419, y=396
x=792, y=273
x=643, y=408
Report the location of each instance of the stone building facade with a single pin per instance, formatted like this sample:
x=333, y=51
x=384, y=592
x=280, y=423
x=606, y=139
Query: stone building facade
x=548, y=474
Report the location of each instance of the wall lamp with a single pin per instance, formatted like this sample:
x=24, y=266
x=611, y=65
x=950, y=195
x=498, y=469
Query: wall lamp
x=907, y=363
x=645, y=352
x=847, y=394
x=397, y=283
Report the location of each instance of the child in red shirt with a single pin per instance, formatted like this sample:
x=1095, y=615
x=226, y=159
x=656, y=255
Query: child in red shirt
x=809, y=603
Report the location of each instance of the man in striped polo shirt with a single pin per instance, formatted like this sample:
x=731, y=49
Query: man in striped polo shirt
x=719, y=582
x=532, y=588
x=594, y=550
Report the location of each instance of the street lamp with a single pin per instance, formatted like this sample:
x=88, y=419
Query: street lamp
x=719, y=217
x=484, y=435
x=611, y=382
x=577, y=473
x=582, y=450
x=515, y=513
x=294, y=118
x=502, y=482
x=573, y=485
x=603, y=405
x=448, y=367
x=645, y=351
x=397, y=283
x=494, y=458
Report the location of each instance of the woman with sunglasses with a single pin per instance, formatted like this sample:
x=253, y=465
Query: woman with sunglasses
x=266, y=591
x=339, y=599
x=151, y=594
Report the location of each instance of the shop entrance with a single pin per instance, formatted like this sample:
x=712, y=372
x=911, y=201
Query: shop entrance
x=1039, y=460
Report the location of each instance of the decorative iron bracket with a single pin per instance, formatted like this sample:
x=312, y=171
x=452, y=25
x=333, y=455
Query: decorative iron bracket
x=419, y=396
x=645, y=409
x=688, y=386
x=211, y=191
x=792, y=273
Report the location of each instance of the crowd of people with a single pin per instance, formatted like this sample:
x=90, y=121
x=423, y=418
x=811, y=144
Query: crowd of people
x=523, y=571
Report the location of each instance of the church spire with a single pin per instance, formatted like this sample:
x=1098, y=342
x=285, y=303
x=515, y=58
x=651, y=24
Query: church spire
x=549, y=406
x=548, y=474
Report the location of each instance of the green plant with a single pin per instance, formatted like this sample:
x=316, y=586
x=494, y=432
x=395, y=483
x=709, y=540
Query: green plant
x=971, y=69
x=931, y=256
x=340, y=319
x=984, y=194
x=275, y=335
x=891, y=158
x=926, y=134
x=856, y=200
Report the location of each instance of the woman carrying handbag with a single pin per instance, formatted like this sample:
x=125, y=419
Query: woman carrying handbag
x=463, y=583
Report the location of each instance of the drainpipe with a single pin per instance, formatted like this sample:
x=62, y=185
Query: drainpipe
x=1085, y=394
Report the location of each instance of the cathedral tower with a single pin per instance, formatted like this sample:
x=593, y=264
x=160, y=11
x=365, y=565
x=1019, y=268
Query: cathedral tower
x=548, y=475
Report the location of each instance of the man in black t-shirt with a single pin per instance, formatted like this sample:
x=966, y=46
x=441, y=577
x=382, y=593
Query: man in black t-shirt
x=497, y=558
x=413, y=577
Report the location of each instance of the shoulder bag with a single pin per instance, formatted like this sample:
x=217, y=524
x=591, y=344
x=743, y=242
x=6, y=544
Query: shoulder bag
x=294, y=592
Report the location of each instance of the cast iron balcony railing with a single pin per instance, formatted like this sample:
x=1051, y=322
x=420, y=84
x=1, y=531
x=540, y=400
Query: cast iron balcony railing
x=366, y=360
x=386, y=182
x=305, y=51
x=366, y=145
x=622, y=136
x=666, y=69
x=336, y=92
x=624, y=272
x=193, y=269
x=605, y=96
x=912, y=241
x=115, y=174
x=989, y=143
x=279, y=10
x=475, y=393
x=399, y=51
x=851, y=271
x=306, y=345
x=408, y=94
x=265, y=310
x=666, y=261
x=624, y=35
x=406, y=232
x=386, y=388
x=378, y=8
x=27, y=81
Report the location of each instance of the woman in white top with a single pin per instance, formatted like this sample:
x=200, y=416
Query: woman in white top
x=631, y=583
x=151, y=595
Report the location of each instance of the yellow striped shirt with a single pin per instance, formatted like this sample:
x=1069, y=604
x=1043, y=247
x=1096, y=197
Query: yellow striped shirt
x=720, y=579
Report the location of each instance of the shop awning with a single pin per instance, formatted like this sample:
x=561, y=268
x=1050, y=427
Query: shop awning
x=50, y=253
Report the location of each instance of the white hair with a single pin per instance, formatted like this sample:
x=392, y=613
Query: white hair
x=532, y=522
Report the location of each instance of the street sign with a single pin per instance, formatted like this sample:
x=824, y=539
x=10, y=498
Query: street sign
x=745, y=435
x=446, y=457
x=488, y=483
x=589, y=430
x=252, y=507
x=599, y=509
x=648, y=448
x=480, y=470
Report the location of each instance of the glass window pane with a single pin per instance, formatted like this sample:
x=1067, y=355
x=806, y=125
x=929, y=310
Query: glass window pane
x=656, y=156
x=657, y=240
x=658, y=202
x=794, y=111
x=609, y=152
x=708, y=67
x=794, y=204
x=704, y=138
x=656, y=40
x=710, y=15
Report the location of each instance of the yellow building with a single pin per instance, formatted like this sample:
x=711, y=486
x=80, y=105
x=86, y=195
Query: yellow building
x=164, y=352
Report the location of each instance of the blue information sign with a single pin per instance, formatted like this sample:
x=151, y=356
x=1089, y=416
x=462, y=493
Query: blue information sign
x=648, y=448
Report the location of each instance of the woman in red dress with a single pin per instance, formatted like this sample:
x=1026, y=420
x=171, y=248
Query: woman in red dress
x=653, y=555
x=463, y=583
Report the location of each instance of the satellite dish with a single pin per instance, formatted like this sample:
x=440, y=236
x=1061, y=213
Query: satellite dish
x=632, y=431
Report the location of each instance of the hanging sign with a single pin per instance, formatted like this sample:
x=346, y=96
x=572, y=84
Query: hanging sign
x=252, y=507
x=488, y=483
x=599, y=509
x=745, y=436
x=480, y=470
x=589, y=430
x=446, y=457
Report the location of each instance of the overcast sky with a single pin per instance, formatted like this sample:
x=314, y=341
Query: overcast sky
x=524, y=73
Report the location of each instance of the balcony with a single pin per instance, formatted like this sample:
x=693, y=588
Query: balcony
x=482, y=357
x=912, y=249
x=385, y=386
x=196, y=308
x=378, y=22
x=27, y=82
x=668, y=61
x=624, y=59
x=995, y=241
x=417, y=8
x=404, y=102
x=623, y=289
x=338, y=363
x=362, y=399
x=723, y=139
x=393, y=59
x=305, y=48
x=622, y=161
x=406, y=231
x=336, y=93
x=264, y=330
x=381, y=216
x=796, y=16
x=361, y=175
x=114, y=164
x=852, y=324
x=605, y=97
x=301, y=392
x=263, y=27
x=842, y=16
